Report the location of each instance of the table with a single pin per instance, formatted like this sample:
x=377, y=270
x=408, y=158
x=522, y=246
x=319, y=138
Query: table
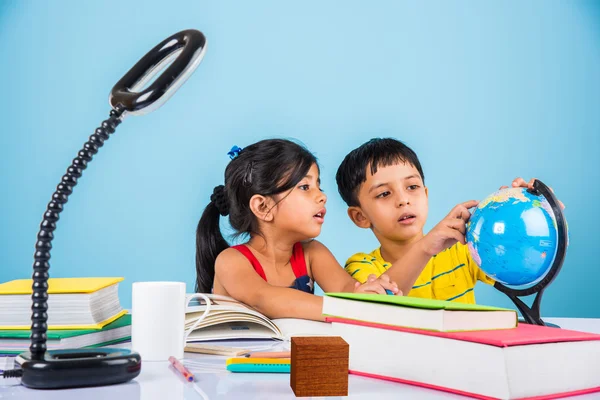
x=158, y=381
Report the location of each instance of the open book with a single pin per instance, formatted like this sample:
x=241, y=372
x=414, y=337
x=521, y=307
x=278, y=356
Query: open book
x=230, y=319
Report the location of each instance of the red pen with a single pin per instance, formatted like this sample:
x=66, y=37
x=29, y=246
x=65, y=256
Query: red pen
x=181, y=368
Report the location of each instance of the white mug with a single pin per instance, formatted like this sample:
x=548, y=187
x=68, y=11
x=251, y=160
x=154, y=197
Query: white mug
x=158, y=319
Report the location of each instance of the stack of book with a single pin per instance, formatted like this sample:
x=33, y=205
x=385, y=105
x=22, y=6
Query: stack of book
x=472, y=350
x=82, y=312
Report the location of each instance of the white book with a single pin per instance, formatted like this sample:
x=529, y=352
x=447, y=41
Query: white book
x=16, y=341
x=73, y=303
x=519, y=363
x=413, y=312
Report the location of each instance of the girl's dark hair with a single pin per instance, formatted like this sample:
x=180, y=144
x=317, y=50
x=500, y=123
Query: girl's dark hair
x=268, y=167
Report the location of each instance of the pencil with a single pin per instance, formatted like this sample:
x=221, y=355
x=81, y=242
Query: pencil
x=181, y=369
x=274, y=354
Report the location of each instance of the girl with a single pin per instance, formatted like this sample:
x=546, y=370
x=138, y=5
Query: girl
x=272, y=193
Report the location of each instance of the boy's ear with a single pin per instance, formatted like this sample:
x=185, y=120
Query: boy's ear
x=426, y=192
x=358, y=217
x=262, y=207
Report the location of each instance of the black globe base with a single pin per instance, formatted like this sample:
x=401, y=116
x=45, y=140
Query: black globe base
x=531, y=315
x=549, y=324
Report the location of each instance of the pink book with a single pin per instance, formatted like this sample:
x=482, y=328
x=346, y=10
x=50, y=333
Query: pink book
x=527, y=362
x=522, y=334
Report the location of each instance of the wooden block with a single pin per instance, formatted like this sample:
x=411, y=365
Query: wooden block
x=319, y=366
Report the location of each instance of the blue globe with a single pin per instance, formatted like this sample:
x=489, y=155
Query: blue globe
x=512, y=236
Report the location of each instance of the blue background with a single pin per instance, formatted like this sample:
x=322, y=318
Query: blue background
x=483, y=92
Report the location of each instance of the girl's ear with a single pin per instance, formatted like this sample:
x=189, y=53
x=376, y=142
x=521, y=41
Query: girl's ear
x=262, y=207
x=358, y=217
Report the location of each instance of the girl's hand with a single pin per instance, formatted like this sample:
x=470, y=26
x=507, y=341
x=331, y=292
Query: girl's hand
x=377, y=285
x=520, y=182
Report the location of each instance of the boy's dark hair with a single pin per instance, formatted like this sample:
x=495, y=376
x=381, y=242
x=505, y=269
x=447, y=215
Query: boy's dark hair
x=268, y=167
x=377, y=152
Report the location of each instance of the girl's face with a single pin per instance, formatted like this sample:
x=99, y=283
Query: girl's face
x=302, y=209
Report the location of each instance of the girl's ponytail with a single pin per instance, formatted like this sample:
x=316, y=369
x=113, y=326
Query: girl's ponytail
x=268, y=168
x=209, y=240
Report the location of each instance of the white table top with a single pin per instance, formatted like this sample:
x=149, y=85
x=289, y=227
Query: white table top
x=158, y=381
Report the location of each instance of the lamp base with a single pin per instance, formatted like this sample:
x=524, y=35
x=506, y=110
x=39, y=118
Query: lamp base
x=60, y=369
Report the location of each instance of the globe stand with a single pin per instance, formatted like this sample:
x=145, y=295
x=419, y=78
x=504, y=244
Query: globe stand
x=531, y=315
x=41, y=369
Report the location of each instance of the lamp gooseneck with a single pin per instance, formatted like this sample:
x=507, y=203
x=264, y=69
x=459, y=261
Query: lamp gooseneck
x=41, y=265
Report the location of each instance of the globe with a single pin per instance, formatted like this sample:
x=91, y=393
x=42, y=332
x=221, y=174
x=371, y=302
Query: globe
x=512, y=236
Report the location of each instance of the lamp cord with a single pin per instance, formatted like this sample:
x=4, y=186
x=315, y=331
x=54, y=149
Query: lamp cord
x=12, y=373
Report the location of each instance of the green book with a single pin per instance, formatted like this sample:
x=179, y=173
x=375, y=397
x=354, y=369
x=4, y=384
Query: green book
x=16, y=341
x=417, y=313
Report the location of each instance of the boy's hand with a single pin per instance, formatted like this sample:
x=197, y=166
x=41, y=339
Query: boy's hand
x=450, y=230
x=377, y=285
x=520, y=182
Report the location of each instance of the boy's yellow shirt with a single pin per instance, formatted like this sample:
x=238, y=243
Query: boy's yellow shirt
x=450, y=275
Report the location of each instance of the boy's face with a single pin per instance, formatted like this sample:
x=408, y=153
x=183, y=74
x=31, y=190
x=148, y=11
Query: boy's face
x=393, y=203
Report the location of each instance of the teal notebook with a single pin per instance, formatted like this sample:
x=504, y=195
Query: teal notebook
x=16, y=341
x=266, y=365
x=417, y=313
x=257, y=368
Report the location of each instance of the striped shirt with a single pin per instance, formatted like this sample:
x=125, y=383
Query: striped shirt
x=450, y=275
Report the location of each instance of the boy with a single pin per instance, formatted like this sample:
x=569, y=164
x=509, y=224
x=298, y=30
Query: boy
x=382, y=183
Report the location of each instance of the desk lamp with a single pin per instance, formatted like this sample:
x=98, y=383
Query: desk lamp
x=41, y=369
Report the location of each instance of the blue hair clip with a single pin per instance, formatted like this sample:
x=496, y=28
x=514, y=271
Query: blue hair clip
x=234, y=152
